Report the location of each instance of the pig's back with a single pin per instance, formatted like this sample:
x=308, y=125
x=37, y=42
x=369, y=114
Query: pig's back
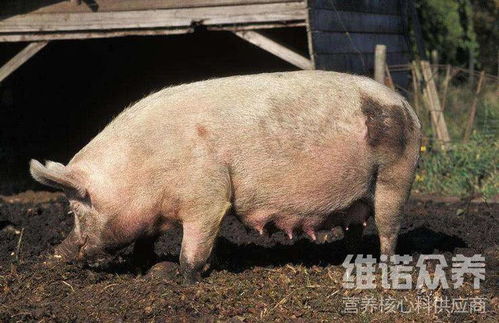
x=307, y=102
x=302, y=131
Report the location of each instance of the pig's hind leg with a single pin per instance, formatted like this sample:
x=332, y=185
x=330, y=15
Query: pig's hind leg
x=392, y=189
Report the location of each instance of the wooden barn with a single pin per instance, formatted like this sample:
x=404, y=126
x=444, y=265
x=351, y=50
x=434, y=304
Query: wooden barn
x=341, y=35
x=67, y=67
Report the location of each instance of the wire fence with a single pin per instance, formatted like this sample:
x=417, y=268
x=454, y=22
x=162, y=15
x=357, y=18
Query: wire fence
x=468, y=102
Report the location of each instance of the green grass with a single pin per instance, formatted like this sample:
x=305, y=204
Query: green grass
x=463, y=169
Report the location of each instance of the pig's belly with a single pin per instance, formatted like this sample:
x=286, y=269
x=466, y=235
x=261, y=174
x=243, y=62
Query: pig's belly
x=302, y=197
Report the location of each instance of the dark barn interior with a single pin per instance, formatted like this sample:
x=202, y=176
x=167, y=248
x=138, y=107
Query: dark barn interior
x=79, y=78
x=50, y=111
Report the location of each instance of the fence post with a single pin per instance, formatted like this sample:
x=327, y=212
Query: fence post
x=415, y=87
x=471, y=117
x=388, y=79
x=434, y=63
x=433, y=102
x=448, y=71
x=379, y=63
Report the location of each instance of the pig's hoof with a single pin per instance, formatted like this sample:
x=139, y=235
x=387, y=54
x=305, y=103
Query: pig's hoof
x=164, y=269
x=191, y=278
x=54, y=260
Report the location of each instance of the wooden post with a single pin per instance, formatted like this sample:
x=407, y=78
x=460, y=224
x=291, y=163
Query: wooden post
x=415, y=88
x=308, y=26
x=275, y=48
x=448, y=71
x=379, y=63
x=431, y=95
x=434, y=62
x=471, y=117
x=21, y=58
x=388, y=79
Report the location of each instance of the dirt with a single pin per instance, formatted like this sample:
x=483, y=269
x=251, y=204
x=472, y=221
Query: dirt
x=253, y=278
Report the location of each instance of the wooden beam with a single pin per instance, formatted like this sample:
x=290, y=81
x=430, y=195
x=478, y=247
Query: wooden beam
x=22, y=57
x=471, y=117
x=389, y=79
x=254, y=26
x=275, y=48
x=147, y=19
x=140, y=32
x=309, y=28
x=16, y=7
x=415, y=88
x=433, y=102
x=93, y=34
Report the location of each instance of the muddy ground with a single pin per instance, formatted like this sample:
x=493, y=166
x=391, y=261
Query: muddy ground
x=254, y=278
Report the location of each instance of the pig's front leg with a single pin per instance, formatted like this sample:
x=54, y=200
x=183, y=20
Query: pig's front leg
x=199, y=234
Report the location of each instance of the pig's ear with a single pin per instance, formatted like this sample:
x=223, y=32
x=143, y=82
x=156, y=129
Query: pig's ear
x=55, y=175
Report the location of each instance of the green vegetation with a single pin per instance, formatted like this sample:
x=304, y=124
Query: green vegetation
x=447, y=26
x=460, y=28
x=485, y=17
x=459, y=101
x=464, y=169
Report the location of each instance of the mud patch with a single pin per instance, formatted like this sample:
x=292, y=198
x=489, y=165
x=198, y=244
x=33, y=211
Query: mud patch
x=254, y=278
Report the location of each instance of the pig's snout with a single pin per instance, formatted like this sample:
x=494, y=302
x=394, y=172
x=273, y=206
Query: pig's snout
x=67, y=251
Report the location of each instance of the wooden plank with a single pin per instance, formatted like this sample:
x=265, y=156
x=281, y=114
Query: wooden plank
x=359, y=22
x=332, y=42
x=22, y=57
x=259, y=13
x=275, y=48
x=415, y=88
x=353, y=63
x=255, y=26
x=379, y=63
x=309, y=33
x=139, y=32
x=471, y=117
x=16, y=7
x=431, y=95
x=91, y=35
x=391, y=7
x=388, y=81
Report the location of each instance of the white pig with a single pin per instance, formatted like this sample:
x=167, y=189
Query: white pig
x=299, y=151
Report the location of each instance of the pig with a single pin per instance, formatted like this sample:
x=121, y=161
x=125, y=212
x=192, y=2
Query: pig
x=298, y=151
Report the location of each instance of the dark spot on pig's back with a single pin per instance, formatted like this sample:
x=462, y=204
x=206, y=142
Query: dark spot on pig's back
x=387, y=125
x=201, y=130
